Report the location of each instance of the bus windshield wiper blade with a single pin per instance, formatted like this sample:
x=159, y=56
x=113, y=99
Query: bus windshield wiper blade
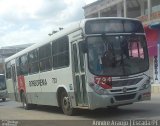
x=109, y=49
x=122, y=57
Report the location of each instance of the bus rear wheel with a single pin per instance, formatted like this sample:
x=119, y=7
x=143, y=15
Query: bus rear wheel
x=25, y=103
x=66, y=104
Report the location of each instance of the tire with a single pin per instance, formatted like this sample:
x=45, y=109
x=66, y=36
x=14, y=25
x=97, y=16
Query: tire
x=3, y=99
x=25, y=103
x=66, y=104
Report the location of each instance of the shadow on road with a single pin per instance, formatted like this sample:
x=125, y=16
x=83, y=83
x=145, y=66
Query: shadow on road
x=45, y=108
x=137, y=110
x=7, y=100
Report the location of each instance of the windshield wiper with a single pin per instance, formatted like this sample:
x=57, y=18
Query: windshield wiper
x=122, y=45
x=109, y=54
x=122, y=62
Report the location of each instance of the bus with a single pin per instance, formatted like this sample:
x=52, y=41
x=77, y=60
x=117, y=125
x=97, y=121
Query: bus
x=95, y=63
x=3, y=89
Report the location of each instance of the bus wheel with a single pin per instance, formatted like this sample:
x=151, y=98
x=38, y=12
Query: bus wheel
x=3, y=99
x=24, y=102
x=66, y=105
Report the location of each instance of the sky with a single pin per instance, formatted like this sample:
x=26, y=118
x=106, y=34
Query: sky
x=30, y=21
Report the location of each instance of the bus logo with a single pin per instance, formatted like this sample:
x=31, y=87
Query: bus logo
x=124, y=90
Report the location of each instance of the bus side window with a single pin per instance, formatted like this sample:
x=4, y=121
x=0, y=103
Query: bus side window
x=45, y=57
x=33, y=65
x=60, y=52
x=23, y=65
x=17, y=67
x=8, y=70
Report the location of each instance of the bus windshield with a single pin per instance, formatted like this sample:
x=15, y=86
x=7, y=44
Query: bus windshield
x=2, y=82
x=117, y=55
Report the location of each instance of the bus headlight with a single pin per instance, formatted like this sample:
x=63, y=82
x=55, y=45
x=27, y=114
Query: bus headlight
x=98, y=89
x=101, y=84
x=145, y=85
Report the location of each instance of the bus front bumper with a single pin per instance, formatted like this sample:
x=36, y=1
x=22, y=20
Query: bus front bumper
x=103, y=101
x=3, y=94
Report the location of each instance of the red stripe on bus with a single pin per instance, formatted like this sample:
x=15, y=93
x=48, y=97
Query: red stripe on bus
x=21, y=83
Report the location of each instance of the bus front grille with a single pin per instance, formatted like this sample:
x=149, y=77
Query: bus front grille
x=121, y=90
x=121, y=83
x=125, y=97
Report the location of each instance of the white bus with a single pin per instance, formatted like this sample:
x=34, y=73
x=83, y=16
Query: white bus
x=95, y=63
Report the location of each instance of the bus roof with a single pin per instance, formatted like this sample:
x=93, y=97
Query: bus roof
x=73, y=27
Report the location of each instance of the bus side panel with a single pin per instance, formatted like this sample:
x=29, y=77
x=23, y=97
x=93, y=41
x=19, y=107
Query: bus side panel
x=53, y=80
x=42, y=88
x=10, y=89
x=32, y=88
x=48, y=95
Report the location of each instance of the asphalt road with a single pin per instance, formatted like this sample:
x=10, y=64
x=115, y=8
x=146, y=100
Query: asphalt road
x=11, y=110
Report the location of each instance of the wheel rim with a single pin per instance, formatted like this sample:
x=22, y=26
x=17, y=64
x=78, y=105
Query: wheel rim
x=24, y=104
x=66, y=104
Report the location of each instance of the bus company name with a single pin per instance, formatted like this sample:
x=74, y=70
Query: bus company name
x=41, y=82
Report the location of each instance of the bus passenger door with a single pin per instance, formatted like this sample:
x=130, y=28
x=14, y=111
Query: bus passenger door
x=14, y=81
x=79, y=74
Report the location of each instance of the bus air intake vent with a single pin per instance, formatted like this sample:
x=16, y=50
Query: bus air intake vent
x=121, y=83
x=125, y=97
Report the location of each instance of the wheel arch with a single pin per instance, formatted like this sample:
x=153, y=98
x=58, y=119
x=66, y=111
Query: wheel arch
x=59, y=91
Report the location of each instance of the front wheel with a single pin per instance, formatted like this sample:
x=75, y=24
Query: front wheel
x=66, y=104
x=3, y=99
